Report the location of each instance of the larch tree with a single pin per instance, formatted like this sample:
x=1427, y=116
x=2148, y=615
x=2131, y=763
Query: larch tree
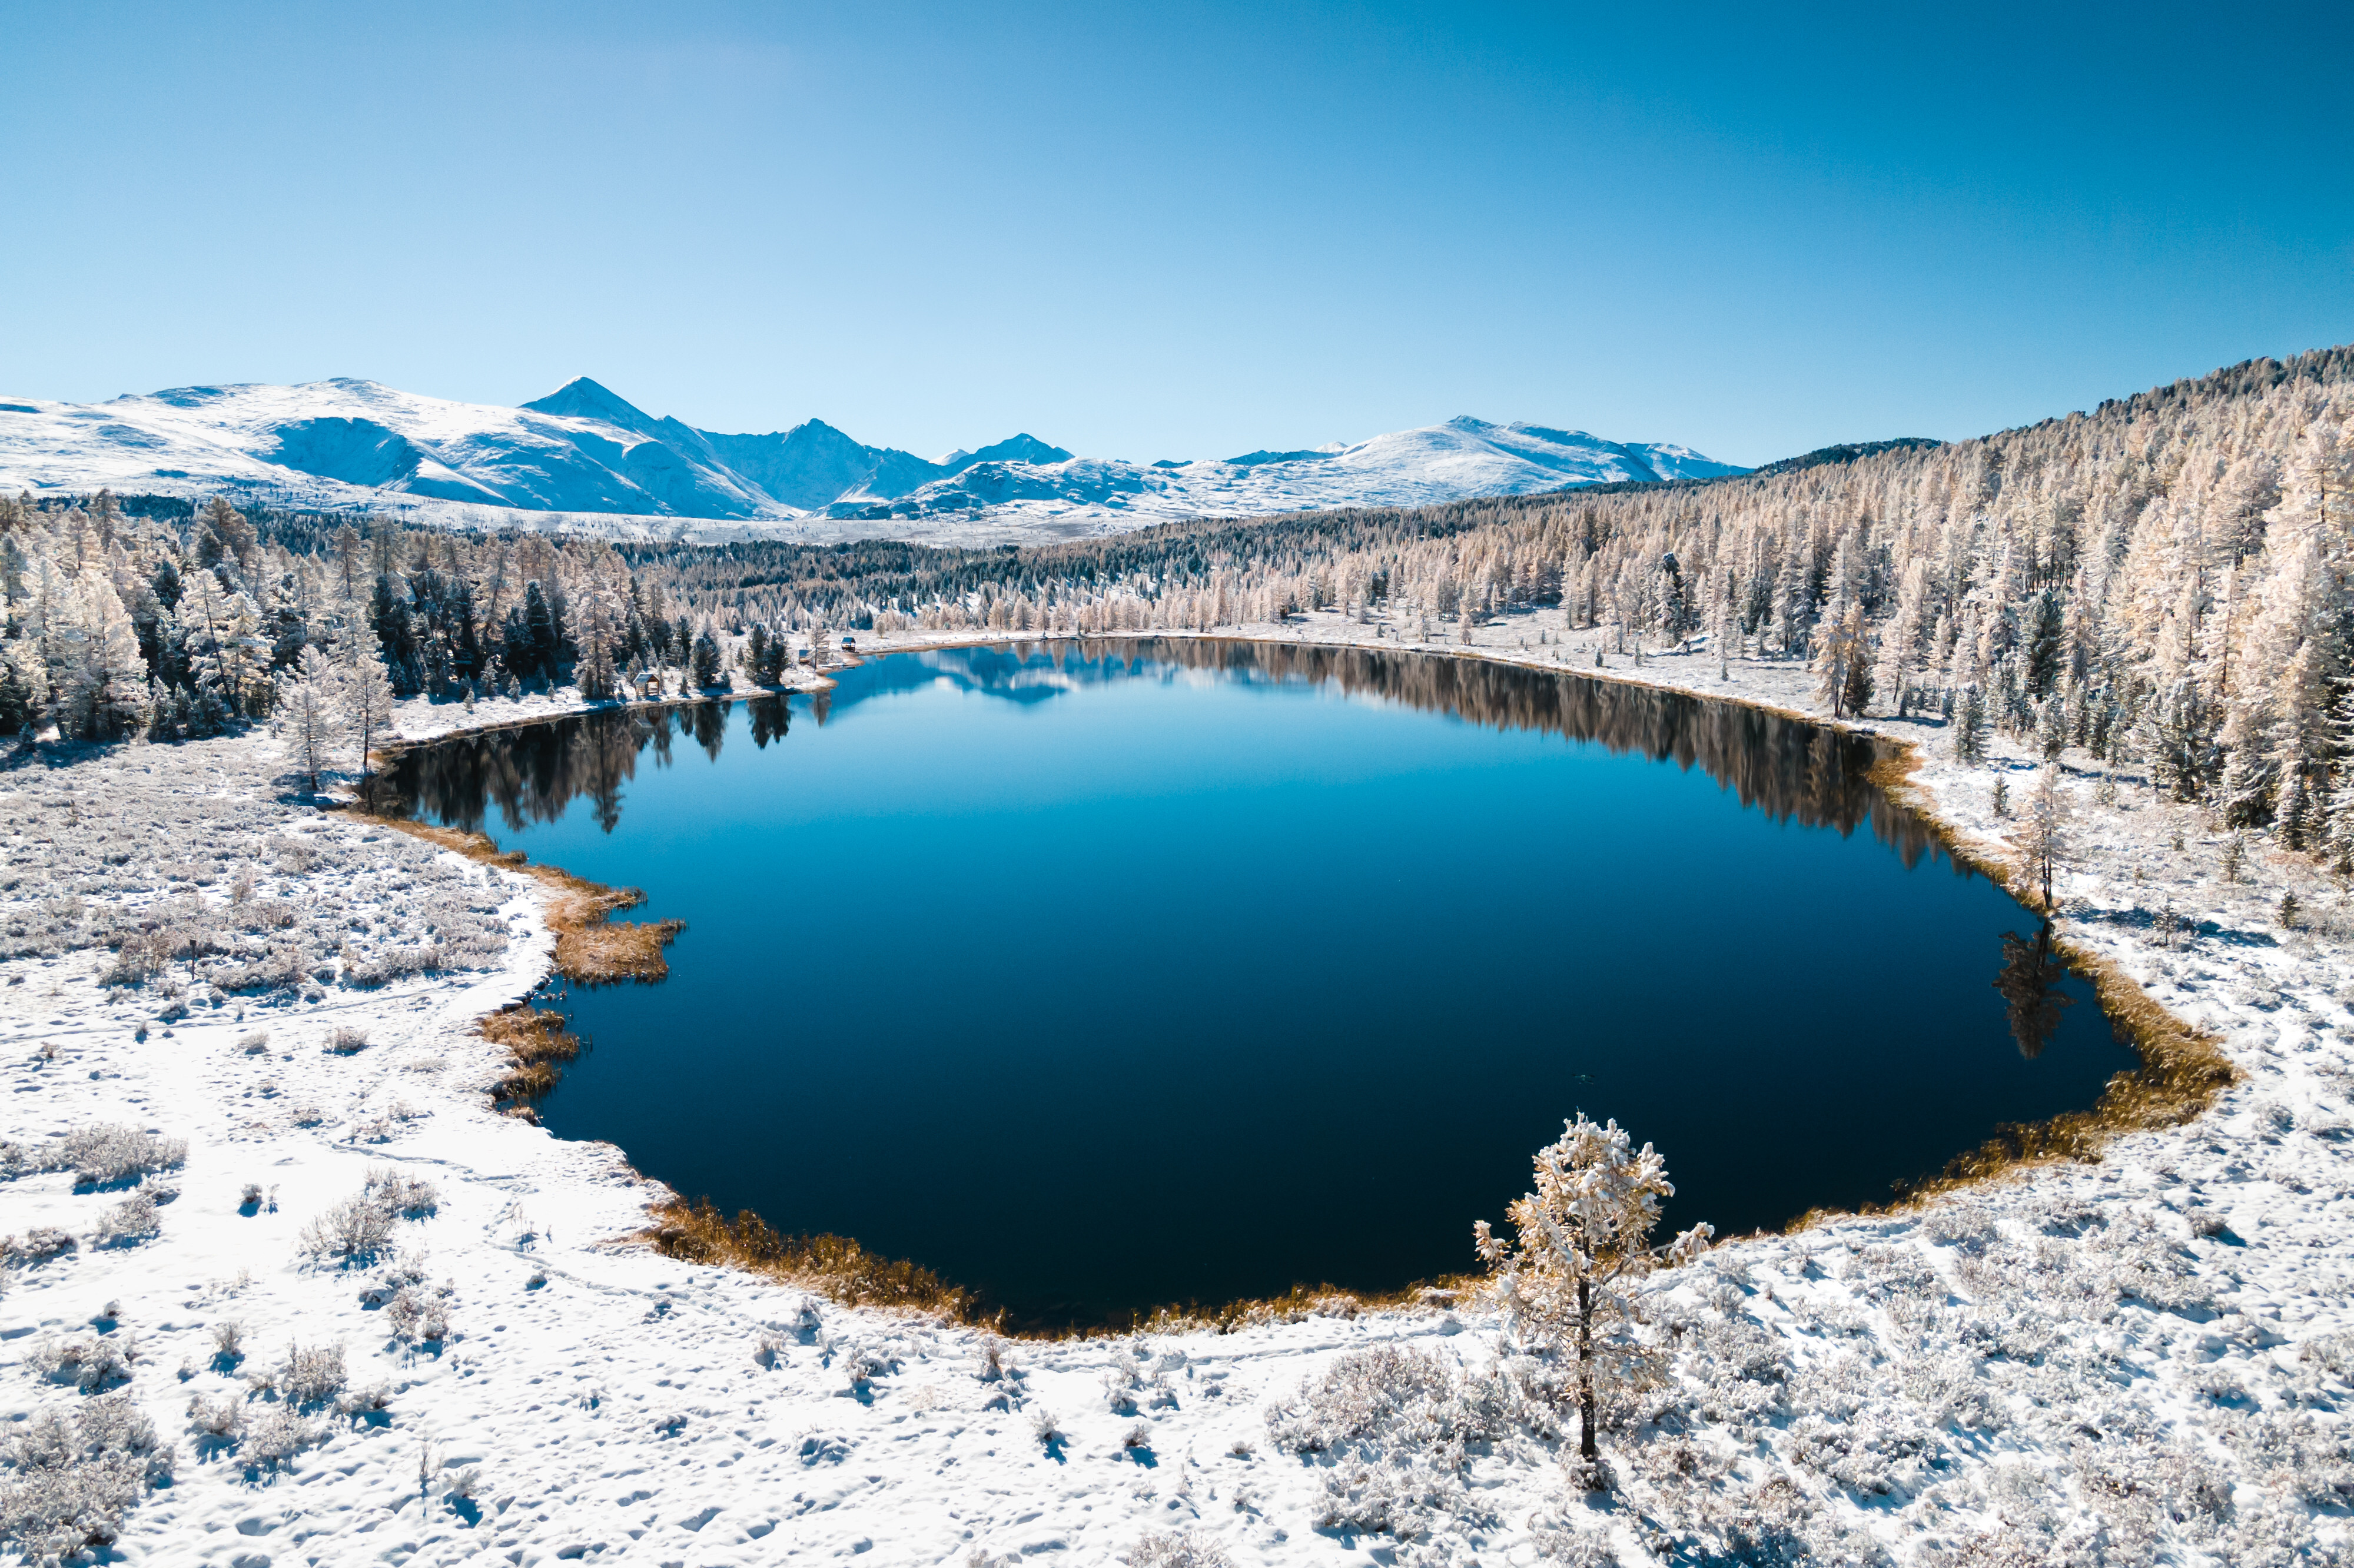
x=1580, y=1240
x=103, y=686
x=313, y=711
x=1840, y=653
x=2042, y=840
x=367, y=697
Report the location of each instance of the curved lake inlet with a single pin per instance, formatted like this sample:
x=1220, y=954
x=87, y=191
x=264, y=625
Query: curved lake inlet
x=1111, y=975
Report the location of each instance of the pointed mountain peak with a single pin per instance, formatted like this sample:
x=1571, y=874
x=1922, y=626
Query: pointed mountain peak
x=581, y=398
x=1023, y=448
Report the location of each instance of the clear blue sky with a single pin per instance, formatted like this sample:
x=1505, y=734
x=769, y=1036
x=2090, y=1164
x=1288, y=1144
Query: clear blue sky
x=1182, y=230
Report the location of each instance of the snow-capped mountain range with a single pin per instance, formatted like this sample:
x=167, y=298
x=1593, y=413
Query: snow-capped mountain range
x=587, y=453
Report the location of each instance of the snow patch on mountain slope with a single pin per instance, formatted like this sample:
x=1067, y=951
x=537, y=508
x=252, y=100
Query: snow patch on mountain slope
x=585, y=457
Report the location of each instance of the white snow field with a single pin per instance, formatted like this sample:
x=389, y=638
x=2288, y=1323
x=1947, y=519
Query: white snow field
x=584, y=459
x=427, y=1338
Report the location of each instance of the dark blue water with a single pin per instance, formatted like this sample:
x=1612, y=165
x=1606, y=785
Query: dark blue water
x=1168, y=972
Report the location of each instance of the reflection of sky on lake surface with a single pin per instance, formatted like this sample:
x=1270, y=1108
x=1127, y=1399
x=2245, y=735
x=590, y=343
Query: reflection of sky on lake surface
x=1170, y=971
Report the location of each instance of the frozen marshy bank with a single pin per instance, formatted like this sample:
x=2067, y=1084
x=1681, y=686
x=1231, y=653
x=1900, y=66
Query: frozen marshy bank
x=2139, y=1360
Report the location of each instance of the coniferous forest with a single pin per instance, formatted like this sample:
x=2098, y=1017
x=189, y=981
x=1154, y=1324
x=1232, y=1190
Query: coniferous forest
x=2163, y=581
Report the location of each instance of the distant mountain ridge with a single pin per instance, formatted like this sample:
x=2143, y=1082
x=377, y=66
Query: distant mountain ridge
x=355, y=444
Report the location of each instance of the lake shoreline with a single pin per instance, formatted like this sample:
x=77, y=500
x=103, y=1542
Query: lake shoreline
x=2178, y=1073
x=2210, y=1250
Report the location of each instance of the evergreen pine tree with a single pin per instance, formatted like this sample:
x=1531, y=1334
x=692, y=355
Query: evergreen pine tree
x=1969, y=726
x=706, y=663
x=1582, y=1239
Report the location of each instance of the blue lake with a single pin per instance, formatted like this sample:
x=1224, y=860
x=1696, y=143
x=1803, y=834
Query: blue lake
x=1135, y=973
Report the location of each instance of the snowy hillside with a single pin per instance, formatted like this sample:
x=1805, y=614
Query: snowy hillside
x=587, y=453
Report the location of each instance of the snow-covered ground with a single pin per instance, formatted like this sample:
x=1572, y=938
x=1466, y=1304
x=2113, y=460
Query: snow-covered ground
x=585, y=460
x=2141, y=1359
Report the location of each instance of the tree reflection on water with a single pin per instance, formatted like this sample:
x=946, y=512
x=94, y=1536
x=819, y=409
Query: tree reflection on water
x=2030, y=983
x=1788, y=769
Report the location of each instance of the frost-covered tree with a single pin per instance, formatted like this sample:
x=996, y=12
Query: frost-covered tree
x=312, y=710
x=102, y=684
x=367, y=699
x=705, y=661
x=2041, y=843
x=1842, y=664
x=1580, y=1240
x=594, y=671
x=1969, y=726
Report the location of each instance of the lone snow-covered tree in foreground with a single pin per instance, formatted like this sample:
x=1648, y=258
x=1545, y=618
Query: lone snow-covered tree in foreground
x=2043, y=832
x=367, y=697
x=1583, y=1236
x=311, y=711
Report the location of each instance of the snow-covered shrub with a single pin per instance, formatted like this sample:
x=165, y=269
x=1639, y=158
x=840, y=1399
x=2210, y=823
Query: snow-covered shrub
x=1395, y=1421
x=1891, y=1269
x=385, y=965
x=218, y=1421
x=275, y=1433
x=1120, y=1383
x=354, y=1228
x=767, y=1352
x=1177, y=1549
x=1045, y=1428
x=2333, y=1352
x=140, y=955
x=38, y=1244
x=366, y=1401
x=311, y=1374
x=280, y=966
x=306, y=1114
x=1573, y=1548
x=2151, y=1271
x=410, y=1197
x=1876, y=1449
x=1739, y=1370
x=71, y=1477
x=860, y=1364
x=133, y=1218
x=99, y=1155
x=1966, y=1227
x=228, y=1337
x=2292, y=1453
x=89, y=1362
x=417, y=1315
x=344, y=1040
